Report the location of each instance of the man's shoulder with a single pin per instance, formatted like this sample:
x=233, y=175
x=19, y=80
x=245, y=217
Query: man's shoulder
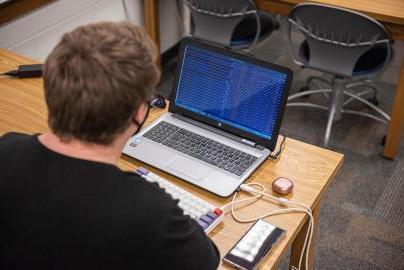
x=146, y=199
x=12, y=145
x=148, y=191
x=12, y=137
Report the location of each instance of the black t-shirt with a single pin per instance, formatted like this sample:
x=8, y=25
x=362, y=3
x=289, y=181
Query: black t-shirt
x=58, y=212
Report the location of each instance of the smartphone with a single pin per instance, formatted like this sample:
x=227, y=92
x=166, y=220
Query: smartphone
x=255, y=244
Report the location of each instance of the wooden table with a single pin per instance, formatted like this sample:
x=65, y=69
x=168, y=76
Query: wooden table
x=388, y=12
x=12, y=9
x=22, y=109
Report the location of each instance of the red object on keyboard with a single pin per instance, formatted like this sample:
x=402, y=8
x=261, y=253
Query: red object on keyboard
x=218, y=211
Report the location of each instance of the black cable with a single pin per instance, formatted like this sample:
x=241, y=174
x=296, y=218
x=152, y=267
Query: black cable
x=278, y=153
x=26, y=71
x=12, y=73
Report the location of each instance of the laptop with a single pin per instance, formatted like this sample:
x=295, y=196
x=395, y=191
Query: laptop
x=223, y=119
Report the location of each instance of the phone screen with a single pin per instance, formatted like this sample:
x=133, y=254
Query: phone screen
x=254, y=245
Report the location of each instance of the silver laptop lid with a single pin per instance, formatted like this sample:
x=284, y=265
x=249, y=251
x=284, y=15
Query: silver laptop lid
x=231, y=91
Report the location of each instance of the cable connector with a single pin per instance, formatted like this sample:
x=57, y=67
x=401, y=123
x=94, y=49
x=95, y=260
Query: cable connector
x=248, y=189
x=11, y=73
x=252, y=191
x=225, y=208
x=26, y=71
x=283, y=201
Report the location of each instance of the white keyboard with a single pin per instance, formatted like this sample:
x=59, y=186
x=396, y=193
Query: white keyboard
x=207, y=215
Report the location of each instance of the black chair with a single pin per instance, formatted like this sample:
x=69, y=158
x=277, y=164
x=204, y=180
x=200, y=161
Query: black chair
x=354, y=48
x=235, y=23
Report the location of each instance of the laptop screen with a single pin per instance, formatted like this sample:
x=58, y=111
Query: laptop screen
x=231, y=90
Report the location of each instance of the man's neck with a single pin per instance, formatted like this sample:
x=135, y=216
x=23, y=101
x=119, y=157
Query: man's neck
x=83, y=150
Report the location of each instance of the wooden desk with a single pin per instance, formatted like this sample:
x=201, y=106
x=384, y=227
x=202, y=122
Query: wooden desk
x=12, y=9
x=388, y=12
x=22, y=109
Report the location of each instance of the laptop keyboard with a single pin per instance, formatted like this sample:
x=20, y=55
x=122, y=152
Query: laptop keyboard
x=202, y=148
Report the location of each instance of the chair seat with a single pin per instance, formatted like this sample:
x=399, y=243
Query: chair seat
x=304, y=53
x=245, y=31
x=368, y=63
x=371, y=61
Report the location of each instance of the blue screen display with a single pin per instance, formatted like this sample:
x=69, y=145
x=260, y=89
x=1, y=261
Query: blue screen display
x=240, y=94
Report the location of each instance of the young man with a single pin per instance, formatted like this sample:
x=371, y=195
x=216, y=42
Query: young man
x=64, y=203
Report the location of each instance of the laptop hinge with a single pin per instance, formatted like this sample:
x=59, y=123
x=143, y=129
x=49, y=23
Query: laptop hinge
x=218, y=131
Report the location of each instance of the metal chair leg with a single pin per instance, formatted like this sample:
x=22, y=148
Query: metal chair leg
x=336, y=102
x=361, y=83
x=312, y=78
x=337, y=97
x=330, y=121
x=379, y=111
x=379, y=119
x=363, y=93
x=335, y=112
x=309, y=92
x=372, y=89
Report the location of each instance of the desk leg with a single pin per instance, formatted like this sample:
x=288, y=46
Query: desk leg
x=152, y=24
x=297, y=244
x=151, y=20
x=397, y=120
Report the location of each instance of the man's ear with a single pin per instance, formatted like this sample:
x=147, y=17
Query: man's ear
x=141, y=113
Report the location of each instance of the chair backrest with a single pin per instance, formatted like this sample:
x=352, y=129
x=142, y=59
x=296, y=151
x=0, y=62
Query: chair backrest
x=336, y=39
x=215, y=20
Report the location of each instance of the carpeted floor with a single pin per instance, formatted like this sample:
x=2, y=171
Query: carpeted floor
x=361, y=223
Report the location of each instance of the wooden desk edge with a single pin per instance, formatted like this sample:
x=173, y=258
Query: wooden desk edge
x=394, y=25
x=17, y=58
x=14, y=9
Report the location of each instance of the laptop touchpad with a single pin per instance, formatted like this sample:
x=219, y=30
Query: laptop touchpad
x=188, y=167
